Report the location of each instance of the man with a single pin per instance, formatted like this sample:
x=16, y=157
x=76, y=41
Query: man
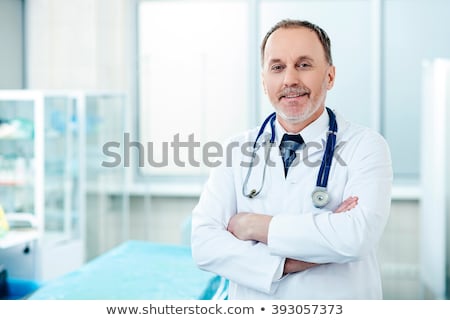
x=275, y=243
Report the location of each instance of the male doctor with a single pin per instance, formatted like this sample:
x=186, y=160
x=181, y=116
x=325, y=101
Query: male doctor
x=278, y=244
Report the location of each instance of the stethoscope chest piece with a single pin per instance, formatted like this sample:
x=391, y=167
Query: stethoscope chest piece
x=320, y=197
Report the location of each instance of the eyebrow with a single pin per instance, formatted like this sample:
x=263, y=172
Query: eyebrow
x=300, y=58
x=305, y=58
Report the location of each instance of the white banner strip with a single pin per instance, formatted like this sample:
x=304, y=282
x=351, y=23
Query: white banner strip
x=167, y=309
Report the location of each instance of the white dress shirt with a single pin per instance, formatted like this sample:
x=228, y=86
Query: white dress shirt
x=344, y=243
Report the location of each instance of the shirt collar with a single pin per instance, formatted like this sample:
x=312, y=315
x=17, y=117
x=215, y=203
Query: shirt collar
x=312, y=132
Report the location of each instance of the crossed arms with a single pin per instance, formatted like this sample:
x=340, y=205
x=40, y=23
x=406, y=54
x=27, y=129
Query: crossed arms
x=255, y=226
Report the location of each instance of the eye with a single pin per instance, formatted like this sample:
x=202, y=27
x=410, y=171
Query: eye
x=304, y=65
x=276, y=67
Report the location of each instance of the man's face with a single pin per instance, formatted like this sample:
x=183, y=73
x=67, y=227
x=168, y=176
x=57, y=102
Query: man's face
x=296, y=76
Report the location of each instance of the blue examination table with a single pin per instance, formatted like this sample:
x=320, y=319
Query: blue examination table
x=137, y=270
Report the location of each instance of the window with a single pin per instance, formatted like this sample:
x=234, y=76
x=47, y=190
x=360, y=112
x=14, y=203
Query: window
x=409, y=40
x=193, y=80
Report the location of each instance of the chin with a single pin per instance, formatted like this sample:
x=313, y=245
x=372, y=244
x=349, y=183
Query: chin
x=293, y=119
x=297, y=117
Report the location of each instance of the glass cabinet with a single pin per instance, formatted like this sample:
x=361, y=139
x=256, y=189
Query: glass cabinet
x=17, y=156
x=50, y=150
x=41, y=181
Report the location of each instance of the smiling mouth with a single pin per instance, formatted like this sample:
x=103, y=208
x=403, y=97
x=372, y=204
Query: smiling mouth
x=292, y=93
x=291, y=96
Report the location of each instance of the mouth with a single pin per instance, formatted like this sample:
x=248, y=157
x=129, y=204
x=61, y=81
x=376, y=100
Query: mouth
x=292, y=93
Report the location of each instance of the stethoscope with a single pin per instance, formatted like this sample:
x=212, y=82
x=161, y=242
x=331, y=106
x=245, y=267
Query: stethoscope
x=320, y=196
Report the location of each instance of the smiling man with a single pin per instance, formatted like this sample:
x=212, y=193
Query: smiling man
x=302, y=231
x=297, y=72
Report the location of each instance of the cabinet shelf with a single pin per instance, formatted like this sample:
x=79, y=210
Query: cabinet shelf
x=17, y=237
x=12, y=183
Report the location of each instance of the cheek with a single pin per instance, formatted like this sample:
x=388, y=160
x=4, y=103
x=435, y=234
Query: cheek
x=271, y=88
x=319, y=86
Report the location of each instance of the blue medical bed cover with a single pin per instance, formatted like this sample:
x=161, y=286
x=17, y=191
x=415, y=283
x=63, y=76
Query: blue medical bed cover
x=135, y=270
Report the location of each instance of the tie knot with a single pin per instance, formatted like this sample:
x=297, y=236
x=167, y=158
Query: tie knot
x=291, y=141
x=292, y=137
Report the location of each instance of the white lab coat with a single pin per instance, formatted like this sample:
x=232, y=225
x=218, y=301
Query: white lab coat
x=345, y=243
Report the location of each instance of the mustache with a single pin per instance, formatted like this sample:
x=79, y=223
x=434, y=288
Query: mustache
x=294, y=91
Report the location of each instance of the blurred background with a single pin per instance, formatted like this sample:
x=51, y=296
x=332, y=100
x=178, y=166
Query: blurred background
x=79, y=75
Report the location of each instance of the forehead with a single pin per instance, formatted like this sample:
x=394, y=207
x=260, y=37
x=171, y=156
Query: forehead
x=293, y=42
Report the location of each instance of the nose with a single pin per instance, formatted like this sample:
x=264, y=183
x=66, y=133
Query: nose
x=291, y=77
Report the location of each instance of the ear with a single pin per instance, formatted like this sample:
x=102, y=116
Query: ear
x=331, y=75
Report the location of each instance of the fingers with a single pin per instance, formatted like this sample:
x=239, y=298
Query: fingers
x=347, y=204
x=291, y=266
x=234, y=224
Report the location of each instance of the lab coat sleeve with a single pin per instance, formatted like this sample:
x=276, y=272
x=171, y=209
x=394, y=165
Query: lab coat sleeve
x=214, y=249
x=327, y=237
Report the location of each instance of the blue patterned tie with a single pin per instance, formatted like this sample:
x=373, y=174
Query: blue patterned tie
x=288, y=146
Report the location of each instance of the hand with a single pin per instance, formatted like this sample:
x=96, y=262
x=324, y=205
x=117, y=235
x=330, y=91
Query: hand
x=347, y=204
x=250, y=226
x=292, y=266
